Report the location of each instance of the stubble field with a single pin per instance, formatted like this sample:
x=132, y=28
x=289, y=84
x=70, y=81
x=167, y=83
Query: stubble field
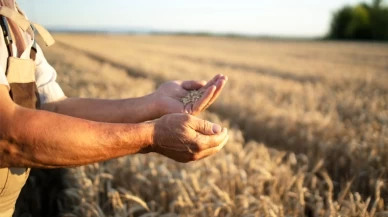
x=308, y=127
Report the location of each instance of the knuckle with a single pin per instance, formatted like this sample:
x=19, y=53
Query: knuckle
x=187, y=135
x=204, y=125
x=186, y=118
x=168, y=118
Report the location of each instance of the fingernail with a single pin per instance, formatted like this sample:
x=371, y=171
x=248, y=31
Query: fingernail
x=216, y=128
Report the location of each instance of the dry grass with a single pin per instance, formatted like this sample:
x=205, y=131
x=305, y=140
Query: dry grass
x=323, y=106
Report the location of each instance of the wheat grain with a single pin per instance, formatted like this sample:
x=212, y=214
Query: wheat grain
x=192, y=97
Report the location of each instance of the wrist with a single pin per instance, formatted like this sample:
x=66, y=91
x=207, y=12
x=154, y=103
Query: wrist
x=147, y=134
x=156, y=105
x=145, y=108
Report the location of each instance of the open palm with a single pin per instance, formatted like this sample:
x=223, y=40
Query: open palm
x=170, y=94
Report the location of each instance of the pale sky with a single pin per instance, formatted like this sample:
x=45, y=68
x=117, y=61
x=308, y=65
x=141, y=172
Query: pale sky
x=259, y=17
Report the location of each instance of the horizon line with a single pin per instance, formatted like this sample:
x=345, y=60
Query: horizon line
x=153, y=31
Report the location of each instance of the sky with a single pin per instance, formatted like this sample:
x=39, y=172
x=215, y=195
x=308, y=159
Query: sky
x=295, y=18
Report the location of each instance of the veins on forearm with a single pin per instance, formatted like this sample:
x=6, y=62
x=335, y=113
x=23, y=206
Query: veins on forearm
x=14, y=154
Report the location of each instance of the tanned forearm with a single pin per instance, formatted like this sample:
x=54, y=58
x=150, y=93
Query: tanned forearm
x=134, y=110
x=31, y=138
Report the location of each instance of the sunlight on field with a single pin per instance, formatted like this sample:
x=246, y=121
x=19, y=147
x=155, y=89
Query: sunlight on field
x=308, y=120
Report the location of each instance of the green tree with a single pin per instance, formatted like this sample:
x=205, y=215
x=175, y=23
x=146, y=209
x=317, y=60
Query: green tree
x=379, y=20
x=361, y=22
x=359, y=26
x=340, y=22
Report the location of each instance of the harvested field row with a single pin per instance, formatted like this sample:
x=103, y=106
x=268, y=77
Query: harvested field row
x=245, y=179
x=342, y=114
x=337, y=130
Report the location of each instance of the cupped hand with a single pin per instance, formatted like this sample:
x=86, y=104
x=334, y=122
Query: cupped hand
x=169, y=95
x=186, y=138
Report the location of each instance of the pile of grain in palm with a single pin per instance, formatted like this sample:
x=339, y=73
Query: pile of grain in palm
x=192, y=97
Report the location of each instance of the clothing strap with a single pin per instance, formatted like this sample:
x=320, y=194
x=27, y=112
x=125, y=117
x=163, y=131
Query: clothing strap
x=47, y=37
x=19, y=19
x=7, y=35
x=8, y=38
x=25, y=25
x=33, y=48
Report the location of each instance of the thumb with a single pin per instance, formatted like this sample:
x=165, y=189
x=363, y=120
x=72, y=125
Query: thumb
x=206, y=127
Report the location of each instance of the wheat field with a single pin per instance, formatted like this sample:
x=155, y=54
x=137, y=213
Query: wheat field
x=308, y=127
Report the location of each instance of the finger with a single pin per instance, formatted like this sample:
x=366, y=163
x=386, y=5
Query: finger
x=201, y=103
x=216, y=139
x=204, y=142
x=189, y=108
x=203, y=127
x=219, y=87
x=193, y=85
x=211, y=82
x=187, y=156
x=211, y=151
x=186, y=109
x=181, y=93
x=223, y=143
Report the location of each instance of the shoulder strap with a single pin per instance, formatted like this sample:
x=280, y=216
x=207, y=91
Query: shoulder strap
x=6, y=34
x=46, y=36
x=33, y=48
x=8, y=38
x=25, y=24
x=19, y=19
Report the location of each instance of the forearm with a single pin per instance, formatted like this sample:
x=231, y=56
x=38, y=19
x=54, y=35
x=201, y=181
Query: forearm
x=134, y=110
x=30, y=138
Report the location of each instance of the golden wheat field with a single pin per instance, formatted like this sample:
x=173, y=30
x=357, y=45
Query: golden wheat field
x=308, y=127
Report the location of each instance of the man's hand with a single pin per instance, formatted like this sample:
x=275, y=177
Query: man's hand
x=169, y=95
x=185, y=138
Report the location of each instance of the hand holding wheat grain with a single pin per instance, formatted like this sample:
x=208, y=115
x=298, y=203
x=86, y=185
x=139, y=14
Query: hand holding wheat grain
x=186, y=138
x=191, y=97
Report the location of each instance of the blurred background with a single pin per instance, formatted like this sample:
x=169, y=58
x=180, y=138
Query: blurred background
x=306, y=105
x=336, y=19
